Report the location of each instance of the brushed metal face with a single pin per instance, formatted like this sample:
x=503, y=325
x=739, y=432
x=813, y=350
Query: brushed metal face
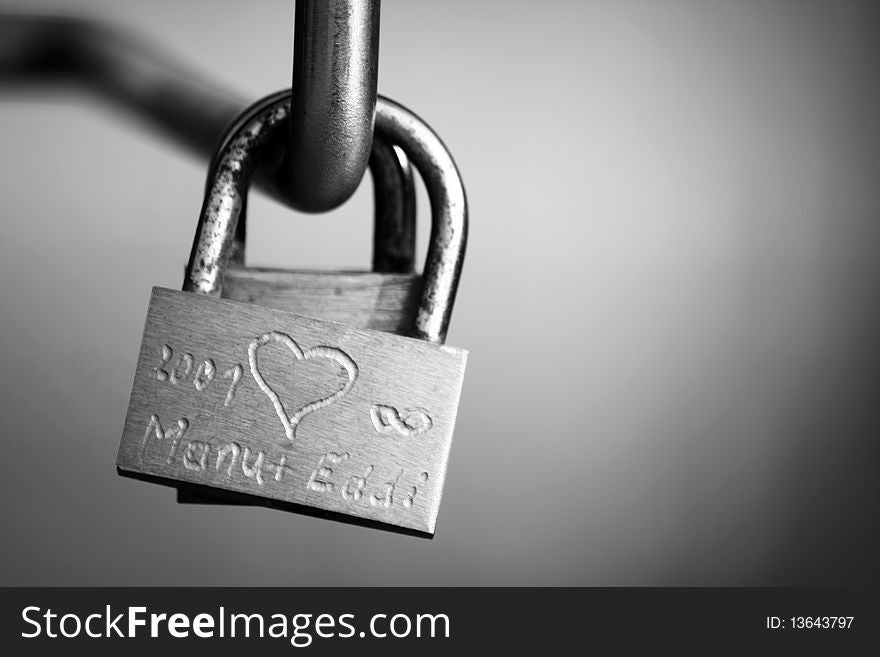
x=292, y=409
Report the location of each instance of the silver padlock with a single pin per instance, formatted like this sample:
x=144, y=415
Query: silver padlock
x=383, y=299
x=295, y=410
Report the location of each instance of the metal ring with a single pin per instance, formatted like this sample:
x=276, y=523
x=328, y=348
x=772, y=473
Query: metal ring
x=220, y=212
x=335, y=72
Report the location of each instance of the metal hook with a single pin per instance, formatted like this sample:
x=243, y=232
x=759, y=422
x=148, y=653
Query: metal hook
x=335, y=71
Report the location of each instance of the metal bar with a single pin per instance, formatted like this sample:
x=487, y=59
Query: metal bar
x=121, y=68
x=335, y=71
x=39, y=52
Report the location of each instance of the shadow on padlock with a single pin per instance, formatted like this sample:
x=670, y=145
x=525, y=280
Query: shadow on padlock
x=372, y=451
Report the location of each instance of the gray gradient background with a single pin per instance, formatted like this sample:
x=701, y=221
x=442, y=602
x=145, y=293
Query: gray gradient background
x=669, y=299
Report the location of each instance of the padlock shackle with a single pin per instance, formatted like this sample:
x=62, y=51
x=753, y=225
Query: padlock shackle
x=394, y=195
x=215, y=235
x=449, y=214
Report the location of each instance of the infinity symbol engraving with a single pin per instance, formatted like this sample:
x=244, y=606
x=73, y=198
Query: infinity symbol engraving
x=412, y=422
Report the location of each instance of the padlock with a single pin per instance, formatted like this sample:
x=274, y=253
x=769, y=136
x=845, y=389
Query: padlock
x=300, y=412
x=383, y=299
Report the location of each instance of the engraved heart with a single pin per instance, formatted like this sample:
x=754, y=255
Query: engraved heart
x=290, y=422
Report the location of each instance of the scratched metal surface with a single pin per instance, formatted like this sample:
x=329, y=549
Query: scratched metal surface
x=292, y=409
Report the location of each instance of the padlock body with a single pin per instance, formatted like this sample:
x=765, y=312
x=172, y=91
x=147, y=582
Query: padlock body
x=292, y=409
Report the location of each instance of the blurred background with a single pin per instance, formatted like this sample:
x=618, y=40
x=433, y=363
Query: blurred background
x=668, y=298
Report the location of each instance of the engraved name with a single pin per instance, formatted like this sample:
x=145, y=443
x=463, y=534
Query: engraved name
x=204, y=456
x=332, y=477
